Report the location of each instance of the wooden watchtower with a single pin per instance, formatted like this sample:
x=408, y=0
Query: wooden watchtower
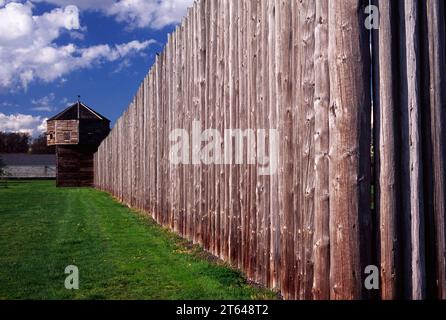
x=77, y=133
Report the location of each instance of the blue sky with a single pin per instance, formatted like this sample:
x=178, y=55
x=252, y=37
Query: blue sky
x=53, y=50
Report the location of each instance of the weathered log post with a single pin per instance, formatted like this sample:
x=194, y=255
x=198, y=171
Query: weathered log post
x=321, y=282
x=386, y=133
x=350, y=130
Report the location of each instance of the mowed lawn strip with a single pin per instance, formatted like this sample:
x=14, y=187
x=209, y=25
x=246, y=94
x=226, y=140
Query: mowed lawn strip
x=120, y=254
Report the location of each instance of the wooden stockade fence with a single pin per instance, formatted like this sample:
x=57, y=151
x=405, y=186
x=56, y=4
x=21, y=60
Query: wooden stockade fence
x=303, y=68
x=410, y=89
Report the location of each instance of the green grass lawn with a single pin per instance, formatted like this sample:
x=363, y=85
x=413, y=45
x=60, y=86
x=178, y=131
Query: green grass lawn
x=120, y=253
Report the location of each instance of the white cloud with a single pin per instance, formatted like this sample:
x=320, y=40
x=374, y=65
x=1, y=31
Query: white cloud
x=77, y=35
x=124, y=64
x=45, y=103
x=6, y=104
x=16, y=22
x=149, y=13
x=65, y=102
x=154, y=14
x=28, y=51
x=22, y=123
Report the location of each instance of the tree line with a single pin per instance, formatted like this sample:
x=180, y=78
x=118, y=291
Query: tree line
x=11, y=142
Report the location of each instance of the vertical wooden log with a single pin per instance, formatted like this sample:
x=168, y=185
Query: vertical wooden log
x=182, y=125
x=226, y=125
x=412, y=170
x=219, y=125
x=298, y=141
x=188, y=126
x=231, y=124
x=210, y=104
x=146, y=146
x=251, y=101
x=243, y=114
x=286, y=189
x=202, y=113
x=306, y=29
x=257, y=111
x=321, y=283
x=273, y=124
x=239, y=124
x=132, y=147
x=435, y=90
x=265, y=125
x=174, y=199
x=349, y=181
x=385, y=126
x=152, y=143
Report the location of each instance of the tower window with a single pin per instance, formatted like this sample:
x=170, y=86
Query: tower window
x=67, y=136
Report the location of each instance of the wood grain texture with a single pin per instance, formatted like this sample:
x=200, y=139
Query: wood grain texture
x=436, y=48
x=385, y=128
x=349, y=183
x=416, y=191
x=321, y=283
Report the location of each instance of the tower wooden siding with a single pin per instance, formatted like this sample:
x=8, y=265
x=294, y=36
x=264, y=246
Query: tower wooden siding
x=57, y=131
x=76, y=132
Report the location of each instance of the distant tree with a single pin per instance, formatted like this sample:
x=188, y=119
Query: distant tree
x=3, y=174
x=2, y=168
x=11, y=142
x=39, y=146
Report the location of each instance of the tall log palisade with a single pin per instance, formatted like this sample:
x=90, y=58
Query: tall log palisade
x=301, y=67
